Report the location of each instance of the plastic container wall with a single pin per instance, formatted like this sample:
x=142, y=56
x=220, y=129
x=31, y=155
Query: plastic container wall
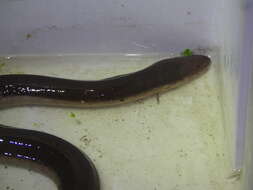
x=37, y=27
x=247, y=72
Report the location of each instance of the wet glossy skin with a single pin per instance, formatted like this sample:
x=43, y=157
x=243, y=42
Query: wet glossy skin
x=74, y=170
x=16, y=90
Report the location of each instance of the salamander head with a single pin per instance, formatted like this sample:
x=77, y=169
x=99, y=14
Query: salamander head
x=194, y=65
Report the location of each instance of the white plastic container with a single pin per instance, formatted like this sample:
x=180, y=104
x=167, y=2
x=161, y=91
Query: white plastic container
x=88, y=39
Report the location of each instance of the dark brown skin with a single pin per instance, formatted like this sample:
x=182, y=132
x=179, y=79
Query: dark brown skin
x=74, y=170
x=17, y=90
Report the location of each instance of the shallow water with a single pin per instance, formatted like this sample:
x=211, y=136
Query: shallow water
x=176, y=143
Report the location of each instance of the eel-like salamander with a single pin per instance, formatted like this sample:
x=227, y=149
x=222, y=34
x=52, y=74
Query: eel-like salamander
x=74, y=169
